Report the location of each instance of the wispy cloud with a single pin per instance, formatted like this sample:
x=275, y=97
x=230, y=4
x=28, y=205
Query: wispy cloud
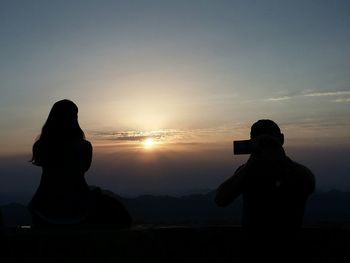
x=326, y=94
x=169, y=136
x=342, y=95
x=132, y=136
x=342, y=100
x=279, y=98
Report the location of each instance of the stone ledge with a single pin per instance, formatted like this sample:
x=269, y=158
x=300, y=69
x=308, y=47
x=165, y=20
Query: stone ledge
x=159, y=244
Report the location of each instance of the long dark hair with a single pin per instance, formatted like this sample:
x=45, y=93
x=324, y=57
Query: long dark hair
x=61, y=126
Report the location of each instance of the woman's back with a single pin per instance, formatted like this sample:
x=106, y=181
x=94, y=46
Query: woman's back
x=63, y=191
x=64, y=156
x=63, y=161
x=63, y=196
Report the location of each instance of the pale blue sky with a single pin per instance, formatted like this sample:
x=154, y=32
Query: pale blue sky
x=184, y=65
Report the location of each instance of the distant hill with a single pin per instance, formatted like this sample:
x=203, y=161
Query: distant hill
x=191, y=209
x=331, y=207
x=328, y=207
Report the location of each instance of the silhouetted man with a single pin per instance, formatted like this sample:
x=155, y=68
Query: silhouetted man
x=274, y=190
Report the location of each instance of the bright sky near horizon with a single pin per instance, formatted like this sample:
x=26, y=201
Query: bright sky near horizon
x=181, y=72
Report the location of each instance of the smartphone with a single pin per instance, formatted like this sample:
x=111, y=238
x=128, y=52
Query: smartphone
x=242, y=147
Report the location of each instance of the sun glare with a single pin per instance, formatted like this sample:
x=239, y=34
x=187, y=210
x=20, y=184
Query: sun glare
x=148, y=143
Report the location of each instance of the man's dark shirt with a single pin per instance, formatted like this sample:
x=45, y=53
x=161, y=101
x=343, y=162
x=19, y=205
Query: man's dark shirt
x=274, y=193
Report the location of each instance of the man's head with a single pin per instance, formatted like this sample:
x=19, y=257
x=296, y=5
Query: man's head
x=266, y=127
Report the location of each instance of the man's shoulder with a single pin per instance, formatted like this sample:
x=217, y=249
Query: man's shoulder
x=298, y=167
x=305, y=173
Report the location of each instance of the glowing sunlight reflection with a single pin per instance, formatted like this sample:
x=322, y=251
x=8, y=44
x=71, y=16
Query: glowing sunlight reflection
x=148, y=143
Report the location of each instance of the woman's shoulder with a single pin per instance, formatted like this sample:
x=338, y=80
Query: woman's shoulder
x=85, y=144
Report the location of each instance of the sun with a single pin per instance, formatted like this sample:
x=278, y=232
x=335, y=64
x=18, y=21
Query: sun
x=148, y=143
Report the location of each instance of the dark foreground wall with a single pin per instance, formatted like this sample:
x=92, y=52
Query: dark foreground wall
x=159, y=244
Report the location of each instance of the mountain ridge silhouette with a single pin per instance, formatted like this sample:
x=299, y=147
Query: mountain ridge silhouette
x=331, y=207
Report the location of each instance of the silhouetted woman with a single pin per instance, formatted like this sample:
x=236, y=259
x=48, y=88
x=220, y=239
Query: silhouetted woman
x=63, y=196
